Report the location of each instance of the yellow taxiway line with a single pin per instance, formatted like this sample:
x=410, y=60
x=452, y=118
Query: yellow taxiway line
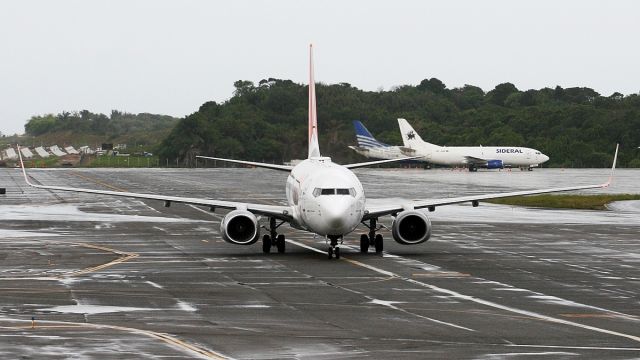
x=166, y=338
x=96, y=181
x=124, y=256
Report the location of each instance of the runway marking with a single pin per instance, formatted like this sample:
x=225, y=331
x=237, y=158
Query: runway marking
x=175, y=342
x=544, y=353
x=368, y=281
x=477, y=300
x=96, y=181
x=441, y=274
x=585, y=316
x=219, y=217
x=573, y=347
x=389, y=305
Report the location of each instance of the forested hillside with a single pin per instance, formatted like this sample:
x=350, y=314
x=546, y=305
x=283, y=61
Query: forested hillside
x=576, y=127
x=86, y=128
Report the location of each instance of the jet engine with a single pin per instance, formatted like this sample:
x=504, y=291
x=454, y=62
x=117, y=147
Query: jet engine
x=411, y=227
x=240, y=227
x=495, y=164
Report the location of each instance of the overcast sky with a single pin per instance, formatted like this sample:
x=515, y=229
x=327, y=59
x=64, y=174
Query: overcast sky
x=169, y=57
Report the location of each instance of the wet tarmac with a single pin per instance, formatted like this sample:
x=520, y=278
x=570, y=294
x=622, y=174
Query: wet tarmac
x=109, y=278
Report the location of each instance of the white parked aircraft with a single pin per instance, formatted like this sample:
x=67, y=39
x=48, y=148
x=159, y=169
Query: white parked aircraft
x=323, y=198
x=473, y=157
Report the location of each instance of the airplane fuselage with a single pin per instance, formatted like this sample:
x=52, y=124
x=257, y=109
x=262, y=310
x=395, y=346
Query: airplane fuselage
x=460, y=155
x=328, y=199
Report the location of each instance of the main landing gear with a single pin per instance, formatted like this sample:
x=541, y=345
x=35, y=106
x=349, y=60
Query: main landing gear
x=371, y=239
x=473, y=168
x=333, y=246
x=273, y=239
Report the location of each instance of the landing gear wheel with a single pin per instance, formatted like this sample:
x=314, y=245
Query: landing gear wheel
x=330, y=253
x=266, y=244
x=280, y=243
x=364, y=243
x=379, y=244
x=337, y=252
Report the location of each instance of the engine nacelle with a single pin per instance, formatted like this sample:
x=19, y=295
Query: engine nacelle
x=495, y=164
x=240, y=227
x=411, y=227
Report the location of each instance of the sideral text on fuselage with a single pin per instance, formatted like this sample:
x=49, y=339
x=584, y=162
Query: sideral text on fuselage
x=508, y=151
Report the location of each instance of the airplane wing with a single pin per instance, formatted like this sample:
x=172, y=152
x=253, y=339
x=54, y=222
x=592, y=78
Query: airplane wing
x=369, y=163
x=475, y=160
x=251, y=163
x=378, y=210
x=279, y=212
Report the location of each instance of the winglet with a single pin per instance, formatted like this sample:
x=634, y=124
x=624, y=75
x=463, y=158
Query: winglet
x=613, y=167
x=24, y=172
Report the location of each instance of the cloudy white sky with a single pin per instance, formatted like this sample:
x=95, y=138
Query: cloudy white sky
x=169, y=57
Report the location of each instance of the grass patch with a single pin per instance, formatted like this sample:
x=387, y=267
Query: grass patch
x=124, y=162
x=589, y=202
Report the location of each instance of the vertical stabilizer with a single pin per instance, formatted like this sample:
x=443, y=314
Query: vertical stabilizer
x=314, y=147
x=364, y=137
x=410, y=137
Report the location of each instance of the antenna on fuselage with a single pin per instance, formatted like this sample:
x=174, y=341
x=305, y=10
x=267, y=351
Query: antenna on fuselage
x=314, y=147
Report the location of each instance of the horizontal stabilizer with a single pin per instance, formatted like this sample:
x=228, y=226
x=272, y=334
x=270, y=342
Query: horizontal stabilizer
x=251, y=163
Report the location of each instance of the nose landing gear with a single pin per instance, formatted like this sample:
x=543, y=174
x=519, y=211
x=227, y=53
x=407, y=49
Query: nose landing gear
x=273, y=239
x=333, y=246
x=371, y=239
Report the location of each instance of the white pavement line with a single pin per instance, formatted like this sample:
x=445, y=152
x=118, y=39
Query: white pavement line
x=219, y=217
x=481, y=301
x=391, y=306
x=573, y=347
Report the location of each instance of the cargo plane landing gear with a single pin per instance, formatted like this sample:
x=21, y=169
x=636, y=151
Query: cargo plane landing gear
x=333, y=246
x=371, y=239
x=273, y=239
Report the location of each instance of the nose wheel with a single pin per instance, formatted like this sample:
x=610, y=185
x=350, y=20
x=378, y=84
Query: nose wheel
x=273, y=239
x=334, y=250
x=372, y=239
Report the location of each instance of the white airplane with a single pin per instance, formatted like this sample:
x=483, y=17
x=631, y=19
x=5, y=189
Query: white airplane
x=323, y=198
x=473, y=157
x=369, y=147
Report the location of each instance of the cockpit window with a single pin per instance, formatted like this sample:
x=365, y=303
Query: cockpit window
x=318, y=191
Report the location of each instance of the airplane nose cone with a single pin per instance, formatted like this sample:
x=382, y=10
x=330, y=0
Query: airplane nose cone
x=336, y=222
x=336, y=214
x=544, y=158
